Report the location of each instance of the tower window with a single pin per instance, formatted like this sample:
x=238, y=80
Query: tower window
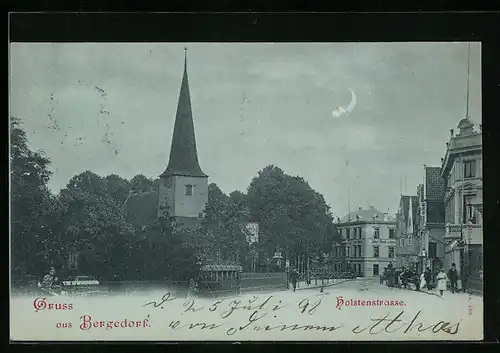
x=189, y=190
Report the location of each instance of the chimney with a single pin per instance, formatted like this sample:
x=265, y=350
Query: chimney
x=442, y=160
x=451, y=132
x=359, y=208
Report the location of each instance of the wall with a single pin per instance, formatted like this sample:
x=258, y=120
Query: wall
x=190, y=206
x=166, y=192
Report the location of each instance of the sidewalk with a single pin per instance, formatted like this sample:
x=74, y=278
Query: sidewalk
x=303, y=285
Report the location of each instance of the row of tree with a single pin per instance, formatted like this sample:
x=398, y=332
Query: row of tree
x=85, y=226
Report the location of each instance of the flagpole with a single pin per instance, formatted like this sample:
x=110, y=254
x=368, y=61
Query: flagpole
x=468, y=80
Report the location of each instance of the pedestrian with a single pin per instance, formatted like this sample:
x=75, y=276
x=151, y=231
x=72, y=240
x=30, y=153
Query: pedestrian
x=238, y=283
x=441, y=278
x=49, y=282
x=423, y=283
x=402, y=278
x=293, y=277
x=453, y=276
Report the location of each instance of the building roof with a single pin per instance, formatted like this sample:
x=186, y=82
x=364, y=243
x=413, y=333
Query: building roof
x=414, y=207
x=213, y=268
x=141, y=209
x=366, y=215
x=405, y=204
x=183, y=154
x=434, y=184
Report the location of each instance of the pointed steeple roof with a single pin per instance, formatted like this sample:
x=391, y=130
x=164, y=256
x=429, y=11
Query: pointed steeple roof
x=183, y=154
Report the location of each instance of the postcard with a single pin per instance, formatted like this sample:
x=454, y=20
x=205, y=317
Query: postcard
x=246, y=192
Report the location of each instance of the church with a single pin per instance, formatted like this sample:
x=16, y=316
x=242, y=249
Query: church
x=183, y=187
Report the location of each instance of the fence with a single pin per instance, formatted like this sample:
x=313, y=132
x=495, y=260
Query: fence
x=248, y=282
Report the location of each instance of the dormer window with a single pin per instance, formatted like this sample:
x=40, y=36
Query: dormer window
x=189, y=190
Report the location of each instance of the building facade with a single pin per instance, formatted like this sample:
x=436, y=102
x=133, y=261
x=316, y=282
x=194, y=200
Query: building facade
x=462, y=172
x=368, y=242
x=431, y=228
x=407, y=241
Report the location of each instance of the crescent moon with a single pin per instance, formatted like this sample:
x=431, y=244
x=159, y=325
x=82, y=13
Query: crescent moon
x=338, y=111
x=351, y=105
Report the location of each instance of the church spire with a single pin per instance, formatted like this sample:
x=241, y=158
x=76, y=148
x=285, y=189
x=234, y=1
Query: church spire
x=183, y=154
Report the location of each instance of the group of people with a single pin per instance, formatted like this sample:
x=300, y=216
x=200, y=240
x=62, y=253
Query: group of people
x=426, y=280
x=441, y=279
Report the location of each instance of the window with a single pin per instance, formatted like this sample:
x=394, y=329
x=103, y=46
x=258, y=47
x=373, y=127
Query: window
x=189, y=190
x=432, y=250
x=391, y=233
x=375, y=251
x=410, y=240
x=376, y=234
x=359, y=251
x=355, y=233
x=469, y=169
x=391, y=251
x=375, y=270
x=402, y=242
x=347, y=234
x=347, y=251
x=359, y=232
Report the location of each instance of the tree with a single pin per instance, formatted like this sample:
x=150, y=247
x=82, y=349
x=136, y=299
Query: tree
x=117, y=188
x=290, y=213
x=93, y=225
x=32, y=205
x=223, y=228
x=141, y=183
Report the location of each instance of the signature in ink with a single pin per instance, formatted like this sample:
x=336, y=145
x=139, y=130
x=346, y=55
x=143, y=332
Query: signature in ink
x=167, y=297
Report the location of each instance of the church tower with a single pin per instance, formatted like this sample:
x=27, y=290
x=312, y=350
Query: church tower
x=183, y=186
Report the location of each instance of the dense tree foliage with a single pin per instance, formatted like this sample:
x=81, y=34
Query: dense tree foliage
x=84, y=229
x=31, y=205
x=291, y=215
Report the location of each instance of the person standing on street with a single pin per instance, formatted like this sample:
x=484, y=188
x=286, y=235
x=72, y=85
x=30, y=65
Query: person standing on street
x=453, y=276
x=293, y=278
x=428, y=278
x=441, y=278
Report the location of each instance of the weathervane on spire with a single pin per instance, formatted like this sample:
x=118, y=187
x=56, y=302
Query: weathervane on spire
x=185, y=56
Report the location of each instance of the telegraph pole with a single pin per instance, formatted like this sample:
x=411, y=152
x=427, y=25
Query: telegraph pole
x=463, y=253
